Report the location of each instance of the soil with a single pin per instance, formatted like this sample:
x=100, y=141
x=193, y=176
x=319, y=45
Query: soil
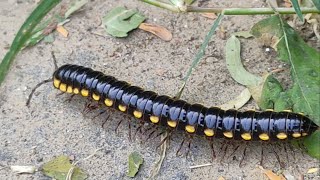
x=51, y=126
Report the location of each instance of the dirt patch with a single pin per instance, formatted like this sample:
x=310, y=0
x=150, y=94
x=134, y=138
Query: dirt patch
x=51, y=126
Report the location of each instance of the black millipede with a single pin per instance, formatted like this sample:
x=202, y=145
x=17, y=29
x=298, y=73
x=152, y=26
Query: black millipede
x=148, y=106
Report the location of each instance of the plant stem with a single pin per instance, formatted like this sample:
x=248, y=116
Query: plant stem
x=24, y=33
x=229, y=11
x=249, y=11
x=162, y=5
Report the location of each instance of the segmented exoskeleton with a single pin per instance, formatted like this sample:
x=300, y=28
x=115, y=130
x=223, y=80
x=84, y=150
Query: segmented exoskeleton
x=148, y=106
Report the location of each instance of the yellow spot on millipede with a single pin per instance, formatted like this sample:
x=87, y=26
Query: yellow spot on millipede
x=154, y=119
x=95, y=97
x=122, y=108
x=172, y=124
x=287, y=110
x=76, y=91
x=56, y=83
x=304, y=134
x=301, y=113
x=108, y=102
x=269, y=110
x=209, y=132
x=282, y=135
x=296, y=135
x=264, y=136
x=84, y=92
x=137, y=114
x=246, y=136
x=69, y=89
x=63, y=87
x=228, y=134
x=190, y=129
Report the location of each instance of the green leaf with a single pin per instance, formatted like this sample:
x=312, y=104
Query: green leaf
x=244, y=34
x=316, y=3
x=178, y=3
x=119, y=21
x=49, y=38
x=234, y=64
x=189, y=2
x=304, y=94
x=296, y=7
x=59, y=167
x=312, y=143
x=24, y=33
x=135, y=160
x=237, y=102
x=75, y=5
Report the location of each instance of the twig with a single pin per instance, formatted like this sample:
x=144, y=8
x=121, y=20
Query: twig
x=201, y=165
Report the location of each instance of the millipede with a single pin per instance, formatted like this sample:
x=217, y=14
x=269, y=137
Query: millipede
x=148, y=106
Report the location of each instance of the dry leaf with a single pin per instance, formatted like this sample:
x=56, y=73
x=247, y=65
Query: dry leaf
x=62, y=31
x=221, y=178
x=23, y=169
x=209, y=15
x=271, y=175
x=157, y=30
x=312, y=170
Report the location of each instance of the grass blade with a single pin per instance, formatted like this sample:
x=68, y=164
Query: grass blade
x=316, y=3
x=200, y=54
x=25, y=33
x=296, y=7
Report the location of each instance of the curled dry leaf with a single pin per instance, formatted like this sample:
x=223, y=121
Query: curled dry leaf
x=221, y=178
x=271, y=175
x=157, y=30
x=209, y=15
x=62, y=31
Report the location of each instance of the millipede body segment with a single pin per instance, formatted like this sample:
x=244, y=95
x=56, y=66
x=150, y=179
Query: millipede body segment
x=150, y=107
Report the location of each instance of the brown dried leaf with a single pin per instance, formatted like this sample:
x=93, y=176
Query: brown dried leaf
x=221, y=178
x=209, y=15
x=157, y=30
x=62, y=31
x=271, y=175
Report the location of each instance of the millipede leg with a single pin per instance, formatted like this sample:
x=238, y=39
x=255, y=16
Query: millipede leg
x=278, y=158
x=189, y=145
x=234, y=150
x=154, y=129
x=262, y=154
x=292, y=150
x=129, y=127
x=35, y=88
x=244, y=154
x=138, y=130
x=286, y=151
x=181, y=144
x=213, y=154
x=165, y=139
x=116, y=129
x=70, y=98
x=99, y=114
x=54, y=60
x=105, y=120
x=224, y=152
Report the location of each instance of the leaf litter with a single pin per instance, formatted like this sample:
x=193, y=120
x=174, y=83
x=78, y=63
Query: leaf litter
x=119, y=21
x=157, y=30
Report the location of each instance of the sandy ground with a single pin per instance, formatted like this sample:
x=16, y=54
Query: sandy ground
x=52, y=126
